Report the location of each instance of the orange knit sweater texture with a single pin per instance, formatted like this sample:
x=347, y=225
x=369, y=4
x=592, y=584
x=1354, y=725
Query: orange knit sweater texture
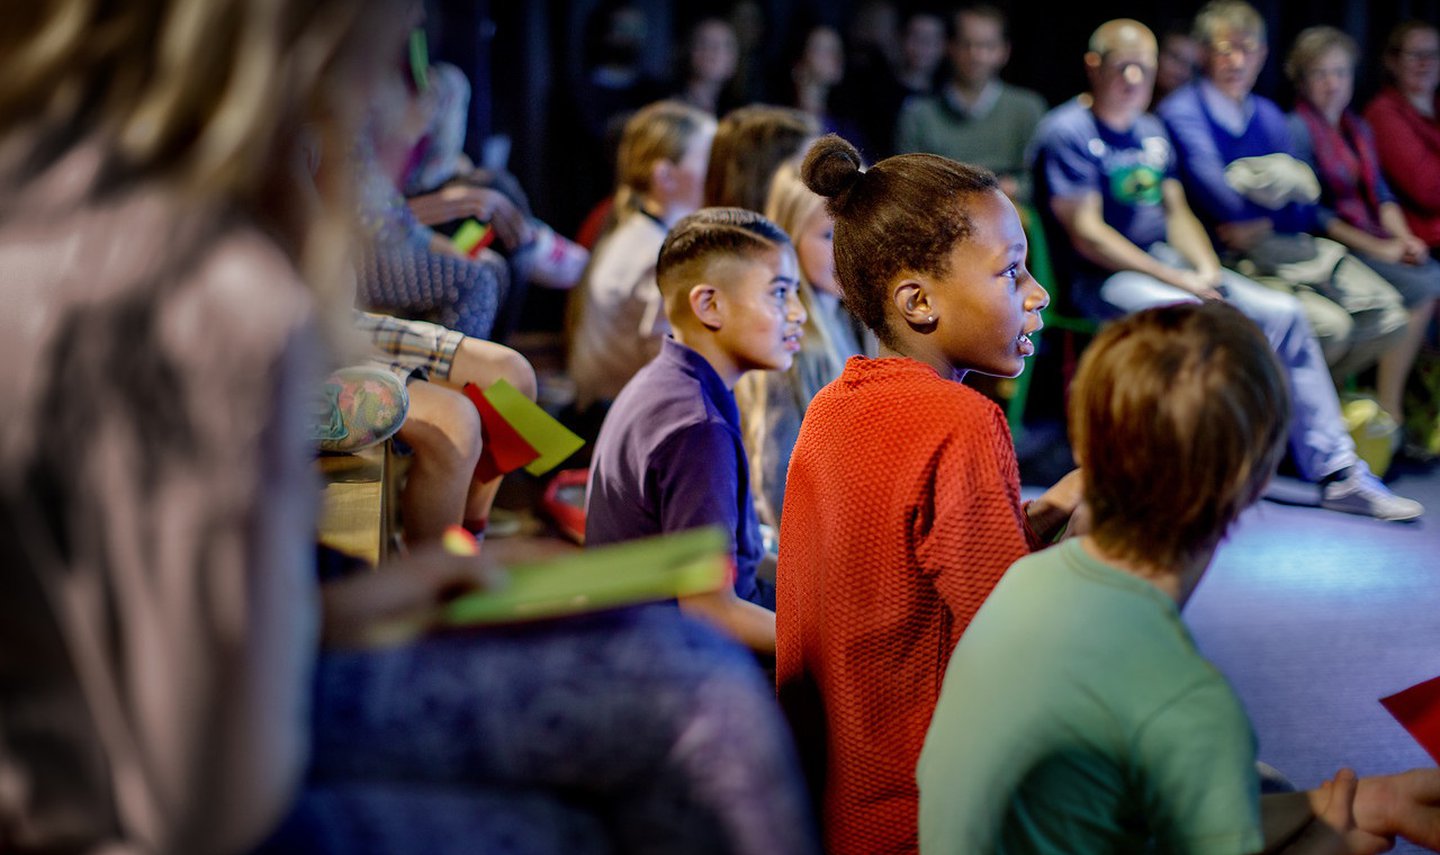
x=902, y=511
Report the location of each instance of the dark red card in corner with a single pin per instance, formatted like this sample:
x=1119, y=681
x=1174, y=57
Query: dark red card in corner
x=504, y=449
x=1418, y=711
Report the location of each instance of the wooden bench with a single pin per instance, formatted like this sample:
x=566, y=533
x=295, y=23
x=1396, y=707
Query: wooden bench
x=357, y=515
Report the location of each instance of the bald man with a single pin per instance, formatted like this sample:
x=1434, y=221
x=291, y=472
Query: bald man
x=1105, y=177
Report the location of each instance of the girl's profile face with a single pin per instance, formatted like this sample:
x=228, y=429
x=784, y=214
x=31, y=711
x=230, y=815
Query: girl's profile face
x=815, y=244
x=987, y=304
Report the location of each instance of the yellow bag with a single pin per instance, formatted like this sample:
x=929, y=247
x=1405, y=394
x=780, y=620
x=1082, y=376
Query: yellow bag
x=1374, y=431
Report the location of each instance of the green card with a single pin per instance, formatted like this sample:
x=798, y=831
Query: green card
x=640, y=571
x=469, y=236
x=554, y=441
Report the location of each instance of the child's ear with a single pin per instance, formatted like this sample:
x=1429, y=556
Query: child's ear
x=705, y=305
x=914, y=303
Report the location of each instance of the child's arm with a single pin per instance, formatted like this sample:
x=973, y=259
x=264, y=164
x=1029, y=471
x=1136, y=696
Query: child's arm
x=699, y=484
x=1318, y=822
x=1406, y=804
x=751, y=625
x=1049, y=514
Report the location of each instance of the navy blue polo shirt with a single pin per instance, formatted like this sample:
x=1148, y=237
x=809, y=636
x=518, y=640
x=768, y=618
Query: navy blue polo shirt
x=670, y=458
x=1076, y=154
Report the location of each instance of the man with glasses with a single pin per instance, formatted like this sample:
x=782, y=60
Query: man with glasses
x=1235, y=157
x=1105, y=177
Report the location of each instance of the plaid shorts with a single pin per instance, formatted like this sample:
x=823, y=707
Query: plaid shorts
x=411, y=349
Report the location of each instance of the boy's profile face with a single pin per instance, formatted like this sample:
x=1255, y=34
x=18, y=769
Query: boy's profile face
x=762, y=320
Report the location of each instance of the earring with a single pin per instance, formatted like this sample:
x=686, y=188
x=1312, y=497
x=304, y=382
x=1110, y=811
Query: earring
x=929, y=319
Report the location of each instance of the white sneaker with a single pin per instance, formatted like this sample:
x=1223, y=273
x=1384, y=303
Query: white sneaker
x=1363, y=494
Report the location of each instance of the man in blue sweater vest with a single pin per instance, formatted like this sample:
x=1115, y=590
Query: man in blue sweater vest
x=1258, y=201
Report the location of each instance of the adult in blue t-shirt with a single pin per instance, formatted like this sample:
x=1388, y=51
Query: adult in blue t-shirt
x=1105, y=177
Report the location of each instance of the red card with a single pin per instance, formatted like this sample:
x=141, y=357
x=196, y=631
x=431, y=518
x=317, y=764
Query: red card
x=505, y=450
x=1418, y=710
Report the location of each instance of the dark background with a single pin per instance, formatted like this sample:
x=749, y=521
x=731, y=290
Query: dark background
x=525, y=60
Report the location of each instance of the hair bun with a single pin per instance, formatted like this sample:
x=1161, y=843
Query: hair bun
x=831, y=168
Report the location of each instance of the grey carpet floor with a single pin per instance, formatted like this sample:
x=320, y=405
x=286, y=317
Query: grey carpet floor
x=1314, y=616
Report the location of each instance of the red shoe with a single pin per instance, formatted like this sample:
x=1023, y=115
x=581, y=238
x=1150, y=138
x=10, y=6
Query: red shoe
x=564, y=502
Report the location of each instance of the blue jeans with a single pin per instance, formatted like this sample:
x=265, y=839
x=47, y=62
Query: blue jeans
x=1318, y=438
x=639, y=730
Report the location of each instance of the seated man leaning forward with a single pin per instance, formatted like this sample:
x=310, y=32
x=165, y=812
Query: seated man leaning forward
x=670, y=455
x=1105, y=175
x=1077, y=715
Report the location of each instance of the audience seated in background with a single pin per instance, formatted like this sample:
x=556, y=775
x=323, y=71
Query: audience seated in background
x=1237, y=165
x=619, y=321
x=1407, y=130
x=976, y=118
x=902, y=503
x=443, y=189
x=1178, y=62
x=1105, y=178
x=404, y=267
x=1077, y=714
x=772, y=403
x=1357, y=207
x=670, y=455
x=750, y=144
x=877, y=90
x=815, y=65
x=710, y=59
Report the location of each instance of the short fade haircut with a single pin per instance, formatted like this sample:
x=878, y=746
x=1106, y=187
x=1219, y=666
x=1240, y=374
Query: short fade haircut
x=1178, y=417
x=708, y=235
x=1235, y=14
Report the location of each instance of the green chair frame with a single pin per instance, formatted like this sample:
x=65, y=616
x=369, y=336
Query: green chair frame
x=1071, y=325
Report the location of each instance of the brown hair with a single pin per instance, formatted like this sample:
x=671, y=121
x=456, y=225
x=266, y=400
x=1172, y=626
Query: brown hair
x=750, y=144
x=903, y=215
x=658, y=131
x=977, y=10
x=707, y=235
x=1178, y=417
x=216, y=98
x=1396, y=42
x=1313, y=43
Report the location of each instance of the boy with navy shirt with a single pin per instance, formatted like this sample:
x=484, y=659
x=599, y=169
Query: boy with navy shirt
x=670, y=456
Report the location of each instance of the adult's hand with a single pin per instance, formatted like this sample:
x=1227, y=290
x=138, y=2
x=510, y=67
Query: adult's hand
x=1244, y=235
x=401, y=600
x=458, y=201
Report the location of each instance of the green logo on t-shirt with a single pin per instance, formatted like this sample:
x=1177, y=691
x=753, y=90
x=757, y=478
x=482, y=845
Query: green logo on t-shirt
x=1136, y=184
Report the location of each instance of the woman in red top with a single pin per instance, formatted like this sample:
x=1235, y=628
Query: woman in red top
x=903, y=507
x=1407, y=132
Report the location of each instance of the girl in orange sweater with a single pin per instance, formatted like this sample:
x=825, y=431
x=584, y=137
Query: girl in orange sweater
x=903, y=507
